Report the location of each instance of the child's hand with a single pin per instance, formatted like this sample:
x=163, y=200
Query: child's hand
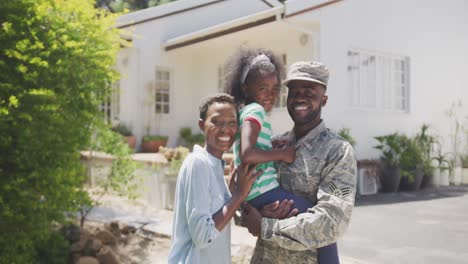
x=289, y=154
x=279, y=143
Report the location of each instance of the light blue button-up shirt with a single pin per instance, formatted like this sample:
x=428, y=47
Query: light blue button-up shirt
x=201, y=191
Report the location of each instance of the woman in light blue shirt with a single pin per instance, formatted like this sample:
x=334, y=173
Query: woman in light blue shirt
x=203, y=204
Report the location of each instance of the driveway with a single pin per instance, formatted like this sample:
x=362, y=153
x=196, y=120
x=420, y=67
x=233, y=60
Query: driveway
x=429, y=226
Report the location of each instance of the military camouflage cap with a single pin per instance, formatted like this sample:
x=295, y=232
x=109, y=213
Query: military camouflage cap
x=308, y=71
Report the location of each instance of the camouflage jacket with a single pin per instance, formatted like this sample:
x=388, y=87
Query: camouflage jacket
x=324, y=172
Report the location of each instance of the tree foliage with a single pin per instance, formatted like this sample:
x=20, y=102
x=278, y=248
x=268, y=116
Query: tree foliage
x=56, y=64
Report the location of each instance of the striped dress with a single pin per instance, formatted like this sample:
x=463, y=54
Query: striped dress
x=268, y=180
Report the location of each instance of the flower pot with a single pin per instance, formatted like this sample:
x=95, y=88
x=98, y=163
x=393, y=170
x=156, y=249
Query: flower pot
x=444, y=177
x=465, y=175
x=131, y=141
x=152, y=145
x=391, y=176
x=413, y=184
x=436, y=177
x=457, y=175
x=427, y=181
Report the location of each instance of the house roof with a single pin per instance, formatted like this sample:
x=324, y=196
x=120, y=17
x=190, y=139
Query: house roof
x=172, y=8
x=298, y=7
x=162, y=11
x=274, y=11
x=229, y=27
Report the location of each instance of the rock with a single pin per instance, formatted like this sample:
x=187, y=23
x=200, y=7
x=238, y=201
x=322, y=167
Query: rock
x=126, y=229
x=87, y=260
x=114, y=228
x=92, y=247
x=79, y=245
x=107, y=256
x=114, y=225
x=106, y=237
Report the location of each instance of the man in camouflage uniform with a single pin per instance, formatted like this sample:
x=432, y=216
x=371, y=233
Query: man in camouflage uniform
x=324, y=172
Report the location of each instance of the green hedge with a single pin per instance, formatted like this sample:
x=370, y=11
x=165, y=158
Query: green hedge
x=56, y=64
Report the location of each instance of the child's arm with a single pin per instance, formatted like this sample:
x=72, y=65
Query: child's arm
x=252, y=155
x=244, y=183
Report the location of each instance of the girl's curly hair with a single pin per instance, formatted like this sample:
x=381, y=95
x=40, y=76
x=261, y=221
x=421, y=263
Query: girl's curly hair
x=235, y=65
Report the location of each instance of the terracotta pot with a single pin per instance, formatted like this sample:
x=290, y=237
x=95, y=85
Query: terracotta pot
x=152, y=145
x=131, y=141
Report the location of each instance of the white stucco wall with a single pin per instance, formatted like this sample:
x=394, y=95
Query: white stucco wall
x=434, y=34
x=196, y=67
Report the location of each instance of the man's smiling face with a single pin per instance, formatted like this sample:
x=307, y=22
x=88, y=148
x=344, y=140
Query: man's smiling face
x=305, y=101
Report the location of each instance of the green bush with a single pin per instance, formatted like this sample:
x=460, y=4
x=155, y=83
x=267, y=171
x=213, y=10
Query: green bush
x=411, y=157
x=122, y=130
x=56, y=65
x=390, y=147
x=345, y=133
x=191, y=139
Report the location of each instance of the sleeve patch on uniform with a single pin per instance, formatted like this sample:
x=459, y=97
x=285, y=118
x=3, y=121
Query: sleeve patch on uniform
x=339, y=192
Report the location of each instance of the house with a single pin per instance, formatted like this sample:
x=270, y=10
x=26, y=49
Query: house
x=394, y=64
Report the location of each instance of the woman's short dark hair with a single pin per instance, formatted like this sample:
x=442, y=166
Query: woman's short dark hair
x=217, y=98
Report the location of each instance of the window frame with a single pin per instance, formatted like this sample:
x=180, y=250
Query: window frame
x=110, y=106
x=383, y=83
x=157, y=81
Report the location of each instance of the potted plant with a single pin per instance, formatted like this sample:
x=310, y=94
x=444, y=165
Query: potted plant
x=190, y=139
x=152, y=143
x=442, y=167
x=426, y=142
x=465, y=168
x=411, y=164
x=126, y=132
x=345, y=133
x=390, y=147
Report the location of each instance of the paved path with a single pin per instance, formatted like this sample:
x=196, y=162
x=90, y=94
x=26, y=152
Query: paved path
x=421, y=227
x=429, y=227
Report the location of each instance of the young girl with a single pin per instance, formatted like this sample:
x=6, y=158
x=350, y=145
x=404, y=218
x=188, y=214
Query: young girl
x=254, y=80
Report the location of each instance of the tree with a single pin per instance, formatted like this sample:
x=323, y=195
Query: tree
x=56, y=64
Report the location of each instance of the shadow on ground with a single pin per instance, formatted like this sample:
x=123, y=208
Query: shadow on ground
x=421, y=195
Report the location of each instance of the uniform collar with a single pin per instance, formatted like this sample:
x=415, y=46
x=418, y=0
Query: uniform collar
x=310, y=136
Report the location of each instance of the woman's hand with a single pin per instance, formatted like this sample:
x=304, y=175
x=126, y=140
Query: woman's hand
x=246, y=178
x=232, y=178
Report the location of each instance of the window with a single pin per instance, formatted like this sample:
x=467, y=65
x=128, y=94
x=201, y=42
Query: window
x=379, y=81
x=162, y=89
x=283, y=95
x=220, y=79
x=110, y=107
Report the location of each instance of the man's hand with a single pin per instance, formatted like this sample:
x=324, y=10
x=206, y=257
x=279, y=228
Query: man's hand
x=252, y=219
x=279, y=210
